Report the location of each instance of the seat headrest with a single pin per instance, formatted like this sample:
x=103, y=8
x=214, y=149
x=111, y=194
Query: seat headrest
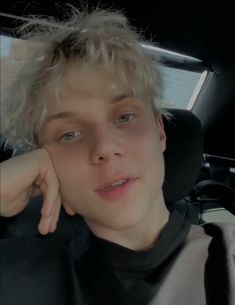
x=183, y=154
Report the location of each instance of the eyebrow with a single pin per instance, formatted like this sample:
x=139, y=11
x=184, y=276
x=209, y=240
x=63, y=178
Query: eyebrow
x=120, y=97
x=60, y=115
x=70, y=114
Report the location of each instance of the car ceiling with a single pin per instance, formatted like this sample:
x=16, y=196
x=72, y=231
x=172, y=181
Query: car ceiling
x=193, y=30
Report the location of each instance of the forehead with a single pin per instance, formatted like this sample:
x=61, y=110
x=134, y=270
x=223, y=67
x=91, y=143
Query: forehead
x=81, y=88
x=94, y=81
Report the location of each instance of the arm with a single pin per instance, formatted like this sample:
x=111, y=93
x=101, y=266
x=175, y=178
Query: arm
x=25, y=176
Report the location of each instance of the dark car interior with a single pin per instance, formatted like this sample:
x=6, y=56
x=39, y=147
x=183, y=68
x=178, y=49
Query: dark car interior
x=200, y=154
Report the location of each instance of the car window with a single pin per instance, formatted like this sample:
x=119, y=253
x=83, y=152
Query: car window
x=182, y=77
x=181, y=87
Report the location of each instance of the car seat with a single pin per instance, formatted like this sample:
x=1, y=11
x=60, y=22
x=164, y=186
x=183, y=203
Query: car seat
x=183, y=188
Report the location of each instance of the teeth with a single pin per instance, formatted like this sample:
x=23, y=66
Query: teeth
x=119, y=183
x=115, y=185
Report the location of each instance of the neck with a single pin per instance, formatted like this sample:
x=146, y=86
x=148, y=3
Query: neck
x=143, y=234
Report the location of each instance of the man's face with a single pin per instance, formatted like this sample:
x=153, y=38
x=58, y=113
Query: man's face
x=106, y=147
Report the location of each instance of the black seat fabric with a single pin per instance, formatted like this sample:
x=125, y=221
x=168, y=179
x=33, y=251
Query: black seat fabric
x=183, y=155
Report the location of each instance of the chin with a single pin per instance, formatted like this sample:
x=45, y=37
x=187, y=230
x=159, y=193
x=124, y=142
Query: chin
x=120, y=222
x=124, y=221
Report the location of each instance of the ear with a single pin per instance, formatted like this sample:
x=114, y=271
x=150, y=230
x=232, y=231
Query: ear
x=161, y=131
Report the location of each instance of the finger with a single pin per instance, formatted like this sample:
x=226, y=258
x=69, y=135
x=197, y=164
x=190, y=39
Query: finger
x=50, y=190
x=46, y=220
x=44, y=224
x=49, y=223
x=56, y=215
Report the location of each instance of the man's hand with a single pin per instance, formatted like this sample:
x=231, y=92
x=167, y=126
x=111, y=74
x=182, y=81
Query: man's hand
x=28, y=175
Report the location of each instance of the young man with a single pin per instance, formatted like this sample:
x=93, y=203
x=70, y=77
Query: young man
x=85, y=108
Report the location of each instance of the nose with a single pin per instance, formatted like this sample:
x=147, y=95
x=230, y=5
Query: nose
x=105, y=147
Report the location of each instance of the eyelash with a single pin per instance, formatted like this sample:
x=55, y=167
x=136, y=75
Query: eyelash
x=129, y=115
x=69, y=132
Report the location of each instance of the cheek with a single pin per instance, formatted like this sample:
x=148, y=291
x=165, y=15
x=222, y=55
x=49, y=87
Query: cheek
x=148, y=143
x=71, y=174
x=68, y=165
x=150, y=156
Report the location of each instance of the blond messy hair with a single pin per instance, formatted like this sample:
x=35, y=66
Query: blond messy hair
x=99, y=37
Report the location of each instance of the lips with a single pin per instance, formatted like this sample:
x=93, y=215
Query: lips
x=116, y=188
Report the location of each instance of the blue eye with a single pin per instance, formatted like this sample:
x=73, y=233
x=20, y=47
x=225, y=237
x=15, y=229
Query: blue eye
x=71, y=135
x=126, y=117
